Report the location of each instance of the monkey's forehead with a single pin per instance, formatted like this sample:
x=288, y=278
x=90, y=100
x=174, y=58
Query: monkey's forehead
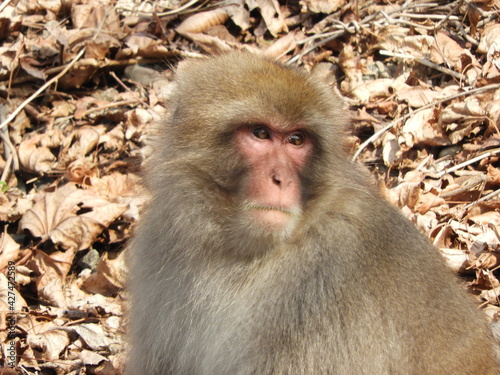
x=249, y=83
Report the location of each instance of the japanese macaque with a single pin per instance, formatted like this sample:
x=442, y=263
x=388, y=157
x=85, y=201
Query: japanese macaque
x=265, y=250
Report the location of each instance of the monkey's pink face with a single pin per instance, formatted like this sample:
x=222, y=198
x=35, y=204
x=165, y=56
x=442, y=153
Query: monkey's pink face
x=275, y=158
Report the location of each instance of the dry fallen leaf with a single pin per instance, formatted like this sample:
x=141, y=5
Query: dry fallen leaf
x=81, y=141
x=448, y=51
x=108, y=277
x=487, y=260
x=490, y=44
x=210, y=44
x=93, y=335
x=323, y=6
x=7, y=289
x=397, y=39
x=457, y=260
x=200, y=22
x=420, y=129
x=284, y=44
x=391, y=150
x=91, y=358
x=238, y=13
x=35, y=158
x=418, y=97
x=56, y=217
x=33, y=6
x=9, y=250
x=81, y=170
x=52, y=271
x=271, y=12
x=49, y=343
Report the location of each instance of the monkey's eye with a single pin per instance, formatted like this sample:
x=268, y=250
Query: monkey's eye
x=296, y=139
x=261, y=133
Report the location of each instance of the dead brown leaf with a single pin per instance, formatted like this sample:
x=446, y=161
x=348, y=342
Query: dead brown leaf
x=56, y=216
x=18, y=301
x=448, y=51
x=52, y=271
x=284, y=44
x=200, y=22
x=9, y=250
x=490, y=44
x=271, y=13
x=323, y=6
x=239, y=14
x=109, y=276
x=80, y=142
x=49, y=343
x=34, y=157
x=81, y=170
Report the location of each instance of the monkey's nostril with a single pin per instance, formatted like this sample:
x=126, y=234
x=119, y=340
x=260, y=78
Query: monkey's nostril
x=276, y=180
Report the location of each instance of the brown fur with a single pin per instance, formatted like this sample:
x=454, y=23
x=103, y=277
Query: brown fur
x=355, y=289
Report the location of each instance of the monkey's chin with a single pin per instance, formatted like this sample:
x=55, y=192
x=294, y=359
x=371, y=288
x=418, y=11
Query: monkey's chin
x=273, y=218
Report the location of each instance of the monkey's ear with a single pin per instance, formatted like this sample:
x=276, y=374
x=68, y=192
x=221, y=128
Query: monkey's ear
x=325, y=72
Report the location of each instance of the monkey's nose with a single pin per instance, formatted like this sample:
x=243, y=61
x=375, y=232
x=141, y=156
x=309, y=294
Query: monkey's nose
x=281, y=181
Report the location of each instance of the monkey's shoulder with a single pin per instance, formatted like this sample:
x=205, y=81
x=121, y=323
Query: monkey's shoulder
x=363, y=220
x=361, y=206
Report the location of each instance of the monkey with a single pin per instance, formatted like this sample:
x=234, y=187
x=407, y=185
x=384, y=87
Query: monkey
x=266, y=250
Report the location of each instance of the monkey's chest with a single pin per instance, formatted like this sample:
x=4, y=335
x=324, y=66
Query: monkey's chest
x=276, y=323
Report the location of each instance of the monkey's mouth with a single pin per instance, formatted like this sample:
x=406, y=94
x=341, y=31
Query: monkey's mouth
x=261, y=207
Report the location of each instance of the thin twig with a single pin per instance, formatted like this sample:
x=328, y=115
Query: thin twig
x=427, y=106
x=4, y=4
x=8, y=162
x=442, y=22
x=41, y=89
x=108, y=106
x=468, y=162
x=425, y=62
x=160, y=14
x=100, y=65
x=425, y=16
x=10, y=152
x=393, y=21
x=120, y=82
x=376, y=19
x=55, y=78
x=482, y=199
x=464, y=32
